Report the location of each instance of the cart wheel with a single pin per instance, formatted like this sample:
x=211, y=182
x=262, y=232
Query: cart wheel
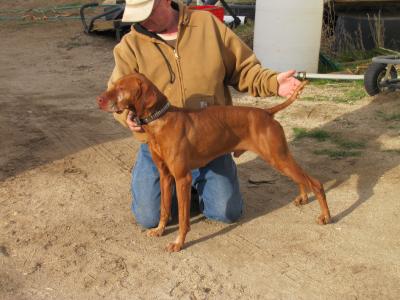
x=374, y=77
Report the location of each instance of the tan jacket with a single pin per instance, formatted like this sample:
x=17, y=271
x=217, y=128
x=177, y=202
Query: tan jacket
x=208, y=57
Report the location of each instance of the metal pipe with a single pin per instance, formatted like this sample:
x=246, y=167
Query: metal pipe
x=304, y=75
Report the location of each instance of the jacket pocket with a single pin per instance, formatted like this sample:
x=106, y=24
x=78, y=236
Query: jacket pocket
x=199, y=101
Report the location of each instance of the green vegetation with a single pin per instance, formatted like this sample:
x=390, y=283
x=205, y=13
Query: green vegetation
x=241, y=1
x=338, y=83
x=337, y=154
x=396, y=151
x=320, y=135
x=353, y=95
x=388, y=117
x=392, y=119
x=357, y=55
x=245, y=32
x=345, y=146
x=338, y=91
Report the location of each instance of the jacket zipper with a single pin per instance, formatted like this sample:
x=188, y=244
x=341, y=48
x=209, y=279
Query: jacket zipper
x=178, y=68
x=177, y=58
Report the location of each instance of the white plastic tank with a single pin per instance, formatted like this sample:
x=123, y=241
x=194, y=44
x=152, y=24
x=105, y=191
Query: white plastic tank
x=287, y=34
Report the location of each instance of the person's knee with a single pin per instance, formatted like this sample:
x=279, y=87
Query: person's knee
x=233, y=214
x=144, y=216
x=146, y=221
x=226, y=211
x=145, y=206
x=230, y=215
x=145, y=190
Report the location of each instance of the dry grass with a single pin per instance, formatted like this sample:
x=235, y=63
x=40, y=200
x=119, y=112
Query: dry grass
x=377, y=30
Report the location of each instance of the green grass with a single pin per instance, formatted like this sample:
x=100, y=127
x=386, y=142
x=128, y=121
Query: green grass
x=245, y=32
x=316, y=98
x=342, y=91
x=320, y=135
x=353, y=95
x=319, y=82
x=395, y=151
x=388, y=116
x=349, y=56
x=241, y=1
x=345, y=146
x=345, y=60
x=337, y=154
x=346, y=83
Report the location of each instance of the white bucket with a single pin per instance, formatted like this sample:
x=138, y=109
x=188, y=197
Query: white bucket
x=287, y=34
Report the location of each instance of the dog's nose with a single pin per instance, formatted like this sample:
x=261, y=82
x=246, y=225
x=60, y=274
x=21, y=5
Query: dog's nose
x=100, y=100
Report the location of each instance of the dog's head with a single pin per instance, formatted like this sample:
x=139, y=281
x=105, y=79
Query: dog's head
x=133, y=92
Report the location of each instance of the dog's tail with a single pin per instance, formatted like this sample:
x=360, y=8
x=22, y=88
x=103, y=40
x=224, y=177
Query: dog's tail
x=273, y=110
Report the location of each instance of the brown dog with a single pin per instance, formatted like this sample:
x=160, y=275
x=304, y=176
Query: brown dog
x=181, y=140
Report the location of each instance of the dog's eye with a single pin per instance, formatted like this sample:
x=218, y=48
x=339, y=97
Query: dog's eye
x=120, y=97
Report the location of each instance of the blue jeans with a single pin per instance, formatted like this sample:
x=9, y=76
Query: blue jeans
x=216, y=184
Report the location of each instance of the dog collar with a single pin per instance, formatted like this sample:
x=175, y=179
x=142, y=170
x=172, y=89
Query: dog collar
x=153, y=116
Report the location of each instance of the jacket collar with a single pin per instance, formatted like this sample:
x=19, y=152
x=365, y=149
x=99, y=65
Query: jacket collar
x=183, y=20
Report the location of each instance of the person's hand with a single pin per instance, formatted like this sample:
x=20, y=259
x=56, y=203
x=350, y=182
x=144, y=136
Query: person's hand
x=287, y=83
x=132, y=124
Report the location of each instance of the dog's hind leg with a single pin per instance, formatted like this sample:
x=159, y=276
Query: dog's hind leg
x=303, y=197
x=272, y=147
x=290, y=168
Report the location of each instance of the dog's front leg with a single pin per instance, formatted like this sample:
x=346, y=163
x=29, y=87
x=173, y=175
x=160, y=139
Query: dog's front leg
x=166, y=181
x=183, y=189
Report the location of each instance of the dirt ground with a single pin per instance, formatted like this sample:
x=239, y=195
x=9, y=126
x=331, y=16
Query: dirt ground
x=66, y=230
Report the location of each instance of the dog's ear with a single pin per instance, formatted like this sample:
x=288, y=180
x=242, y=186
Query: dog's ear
x=146, y=97
x=137, y=97
x=149, y=95
x=152, y=97
x=137, y=91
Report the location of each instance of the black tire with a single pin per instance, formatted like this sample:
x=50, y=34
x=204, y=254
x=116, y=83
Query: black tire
x=374, y=76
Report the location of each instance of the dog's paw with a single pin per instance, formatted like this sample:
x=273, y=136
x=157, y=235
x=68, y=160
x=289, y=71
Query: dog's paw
x=300, y=200
x=173, y=247
x=323, y=220
x=155, y=232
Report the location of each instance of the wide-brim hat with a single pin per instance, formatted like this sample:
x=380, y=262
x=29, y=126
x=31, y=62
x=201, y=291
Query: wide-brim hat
x=137, y=10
